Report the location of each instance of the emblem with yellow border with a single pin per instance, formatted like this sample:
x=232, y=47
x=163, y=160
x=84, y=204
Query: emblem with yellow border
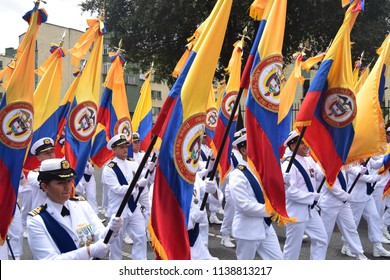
x=339, y=107
x=266, y=82
x=124, y=126
x=228, y=103
x=16, y=121
x=187, y=147
x=82, y=121
x=211, y=118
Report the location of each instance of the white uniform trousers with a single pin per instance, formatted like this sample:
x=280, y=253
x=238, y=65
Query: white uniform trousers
x=386, y=215
x=135, y=226
x=15, y=234
x=314, y=228
x=267, y=248
x=228, y=215
x=342, y=214
x=4, y=251
x=368, y=210
x=26, y=202
x=380, y=204
x=105, y=199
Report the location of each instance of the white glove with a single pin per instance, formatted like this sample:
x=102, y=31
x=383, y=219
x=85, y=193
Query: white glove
x=376, y=164
x=363, y=170
x=286, y=179
x=211, y=186
x=115, y=224
x=99, y=249
x=142, y=182
x=316, y=196
x=150, y=166
x=198, y=216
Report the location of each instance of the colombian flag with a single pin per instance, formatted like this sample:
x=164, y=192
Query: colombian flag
x=227, y=104
x=329, y=108
x=46, y=102
x=264, y=134
x=7, y=73
x=81, y=124
x=246, y=74
x=211, y=118
x=16, y=118
x=180, y=125
x=113, y=115
x=370, y=135
x=142, y=119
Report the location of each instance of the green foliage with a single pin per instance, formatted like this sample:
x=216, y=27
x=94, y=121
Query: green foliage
x=157, y=30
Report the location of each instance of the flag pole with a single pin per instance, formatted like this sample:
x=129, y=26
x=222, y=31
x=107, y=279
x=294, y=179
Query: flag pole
x=219, y=154
x=357, y=177
x=296, y=149
x=154, y=157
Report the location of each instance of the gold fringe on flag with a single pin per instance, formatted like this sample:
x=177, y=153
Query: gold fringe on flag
x=257, y=8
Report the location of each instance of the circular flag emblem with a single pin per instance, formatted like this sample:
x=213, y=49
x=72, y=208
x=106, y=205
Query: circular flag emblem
x=211, y=118
x=339, y=107
x=16, y=124
x=82, y=121
x=266, y=81
x=187, y=147
x=124, y=126
x=228, y=104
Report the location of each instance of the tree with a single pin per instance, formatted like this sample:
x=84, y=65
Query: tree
x=157, y=30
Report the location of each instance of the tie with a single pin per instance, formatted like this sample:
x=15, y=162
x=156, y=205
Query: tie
x=65, y=211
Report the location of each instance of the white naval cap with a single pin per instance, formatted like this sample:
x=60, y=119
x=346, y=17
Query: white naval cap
x=292, y=137
x=56, y=168
x=136, y=136
x=239, y=142
x=42, y=145
x=117, y=140
x=388, y=129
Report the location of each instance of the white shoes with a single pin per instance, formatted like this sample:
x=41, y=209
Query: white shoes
x=381, y=253
x=25, y=235
x=225, y=241
x=221, y=211
x=305, y=237
x=346, y=251
x=214, y=219
x=127, y=239
x=361, y=257
x=385, y=240
x=385, y=233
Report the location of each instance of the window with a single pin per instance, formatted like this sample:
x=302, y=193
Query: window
x=106, y=49
x=156, y=94
x=106, y=67
x=156, y=110
x=130, y=79
x=1, y=64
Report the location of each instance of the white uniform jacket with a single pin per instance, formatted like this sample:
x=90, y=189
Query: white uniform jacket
x=82, y=225
x=38, y=196
x=249, y=214
x=116, y=191
x=298, y=197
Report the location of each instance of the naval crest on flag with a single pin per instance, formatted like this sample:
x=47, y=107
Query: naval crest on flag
x=82, y=121
x=187, y=146
x=16, y=121
x=123, y=126
x=228, y=103
x=266, y=82
x=211, y=118
x=339, y=107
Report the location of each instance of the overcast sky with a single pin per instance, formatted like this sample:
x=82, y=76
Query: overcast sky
x=66, y=13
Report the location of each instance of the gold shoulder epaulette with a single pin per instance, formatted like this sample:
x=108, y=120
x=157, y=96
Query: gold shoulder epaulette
x=131, y=159
x=38, y=210
x=111, y=164
x=77, y=198
x=241, y=167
